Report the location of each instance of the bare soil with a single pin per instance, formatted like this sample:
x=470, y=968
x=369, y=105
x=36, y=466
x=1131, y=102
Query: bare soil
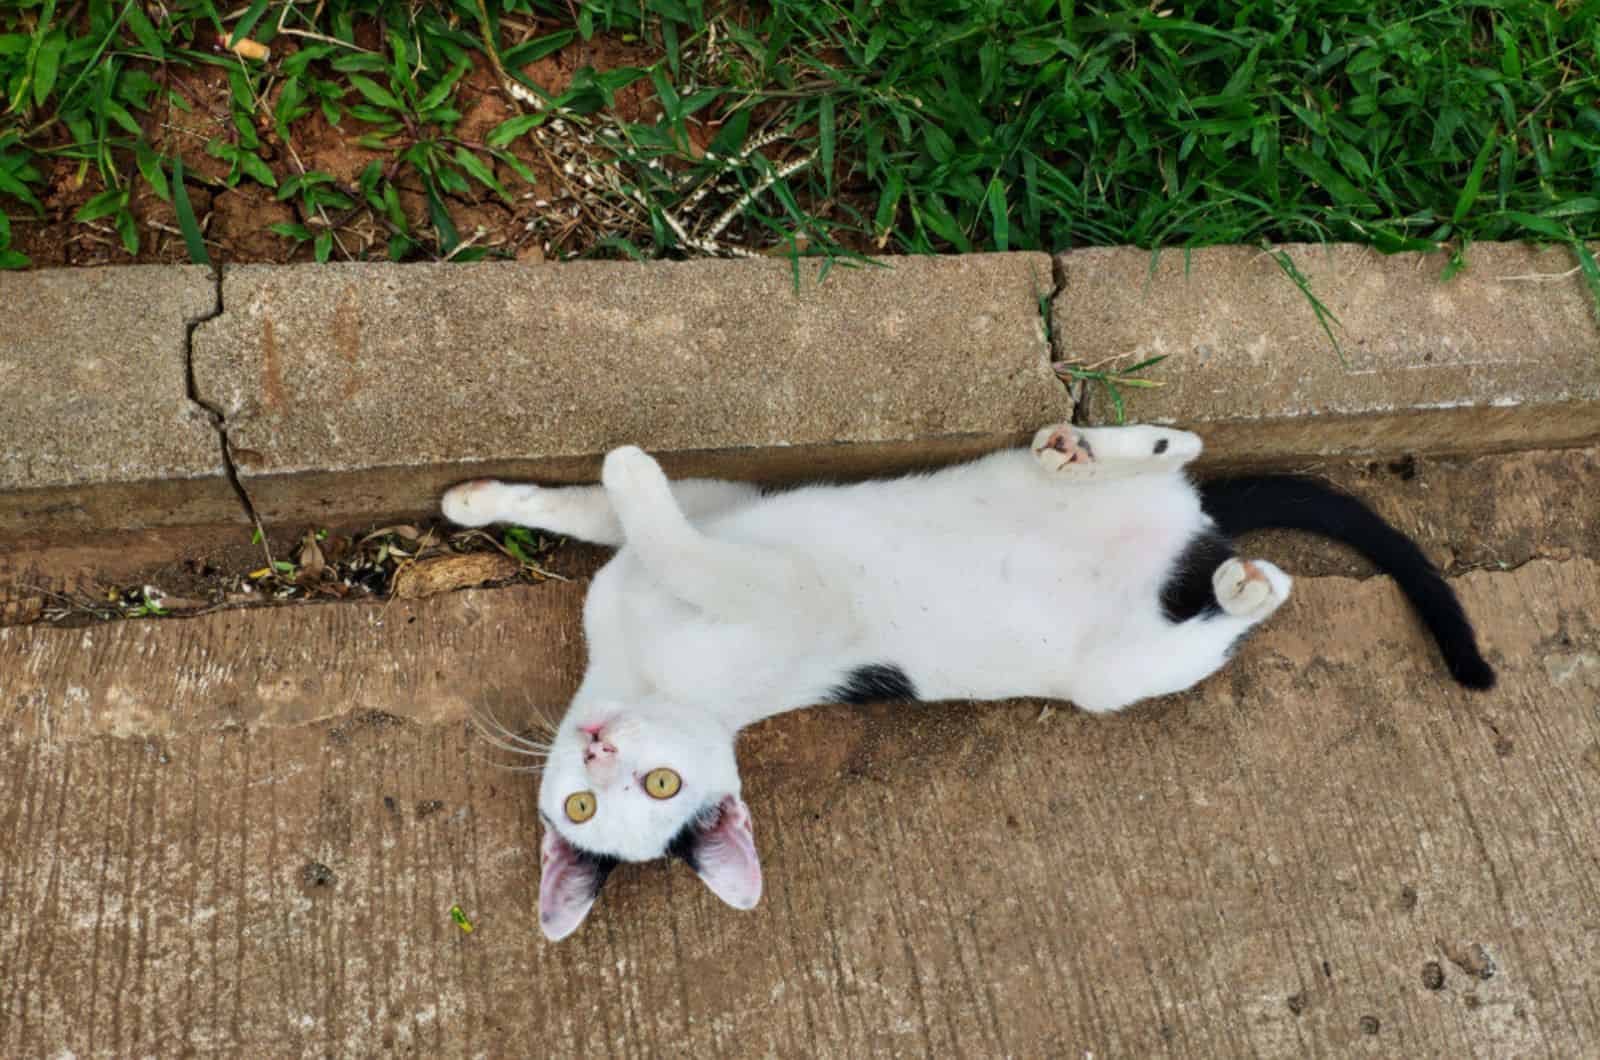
x=547, y=218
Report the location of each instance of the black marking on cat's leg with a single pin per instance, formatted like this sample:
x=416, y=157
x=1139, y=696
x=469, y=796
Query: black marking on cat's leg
x=875, y=683
x=1161, y=446
x=1187, y=592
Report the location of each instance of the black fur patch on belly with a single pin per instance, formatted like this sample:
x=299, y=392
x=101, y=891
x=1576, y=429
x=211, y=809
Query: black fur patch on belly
x=877, y=683
x=1187, y=592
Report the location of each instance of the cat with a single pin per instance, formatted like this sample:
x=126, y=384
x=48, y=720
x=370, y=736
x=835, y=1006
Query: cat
x=1087, y=567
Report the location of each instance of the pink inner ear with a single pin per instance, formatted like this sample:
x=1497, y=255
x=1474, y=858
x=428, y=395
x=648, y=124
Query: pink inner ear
x=726, y=859
x=567, y=886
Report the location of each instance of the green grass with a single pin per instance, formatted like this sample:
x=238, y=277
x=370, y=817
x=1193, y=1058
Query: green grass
x=924, y=125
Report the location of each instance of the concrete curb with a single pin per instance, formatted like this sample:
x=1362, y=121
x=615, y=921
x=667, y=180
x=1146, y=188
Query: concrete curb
x=96, y=427
x=362, y=390
x=1506, y=355
x=365, y=389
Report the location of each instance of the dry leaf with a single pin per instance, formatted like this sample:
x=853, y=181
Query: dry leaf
x=443, y=574
x=334, y=549
x=182, y=603
x=312, y=563
x=410, y=533
x=20, y=612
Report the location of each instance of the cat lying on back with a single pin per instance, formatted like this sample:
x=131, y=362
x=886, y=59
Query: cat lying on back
x=1086, y=568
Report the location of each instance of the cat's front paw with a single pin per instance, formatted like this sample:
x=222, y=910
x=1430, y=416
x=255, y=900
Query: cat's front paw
x=472, y=503
x=1250, y=588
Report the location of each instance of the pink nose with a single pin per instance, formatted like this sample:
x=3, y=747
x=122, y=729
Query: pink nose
x=592, y=729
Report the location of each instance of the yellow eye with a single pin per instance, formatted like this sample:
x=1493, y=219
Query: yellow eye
x=580, y=806
x=662, y=783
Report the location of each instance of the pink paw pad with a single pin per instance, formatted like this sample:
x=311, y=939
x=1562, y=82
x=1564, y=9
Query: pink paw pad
x=1070, y=444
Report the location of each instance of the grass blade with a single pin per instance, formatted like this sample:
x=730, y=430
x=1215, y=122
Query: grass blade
x=998, y=217
x=1324, y=315
x=1469, y=190
x=192, y=239
x=1590, y=270
x=243, y=27
x=828, y=136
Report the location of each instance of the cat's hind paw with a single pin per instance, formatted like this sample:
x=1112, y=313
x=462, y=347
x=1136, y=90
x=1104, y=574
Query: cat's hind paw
x=1061, y=446
x=474, y=503
x=1250, y=588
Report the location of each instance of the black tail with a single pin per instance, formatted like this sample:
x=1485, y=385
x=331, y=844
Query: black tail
x=1290, y=502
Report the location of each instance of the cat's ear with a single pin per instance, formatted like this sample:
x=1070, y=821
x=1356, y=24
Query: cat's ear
x=723, y=854
x=569, y=882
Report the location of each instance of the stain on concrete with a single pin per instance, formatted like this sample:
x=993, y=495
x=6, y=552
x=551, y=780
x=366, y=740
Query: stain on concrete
x=346, y=330
x=314, y=875
x=273, y=398
x=1433, y=975
x=1473, y=959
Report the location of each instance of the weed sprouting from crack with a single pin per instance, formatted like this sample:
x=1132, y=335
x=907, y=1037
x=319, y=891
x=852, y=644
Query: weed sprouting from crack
x=1111, y=379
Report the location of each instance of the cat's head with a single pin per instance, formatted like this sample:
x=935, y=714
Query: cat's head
x=633, y=782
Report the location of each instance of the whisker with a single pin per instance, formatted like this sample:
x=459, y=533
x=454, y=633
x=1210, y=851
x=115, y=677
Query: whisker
x=550, y=727
x=512, y=749
x=480, y=719
x=518, y=749
x=536, y=768
x=484, y=717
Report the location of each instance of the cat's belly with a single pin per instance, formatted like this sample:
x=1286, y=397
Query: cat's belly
x=674, y=650
x=1017, y=619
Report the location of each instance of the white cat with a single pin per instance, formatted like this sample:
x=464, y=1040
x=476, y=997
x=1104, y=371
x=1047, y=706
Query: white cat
x=1087, y=568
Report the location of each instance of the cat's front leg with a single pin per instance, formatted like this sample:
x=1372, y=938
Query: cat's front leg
x=1099, y=452
x=583, y=512
x=735, y=580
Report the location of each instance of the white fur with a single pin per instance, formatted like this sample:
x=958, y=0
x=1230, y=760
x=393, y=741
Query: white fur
x=1031, y=572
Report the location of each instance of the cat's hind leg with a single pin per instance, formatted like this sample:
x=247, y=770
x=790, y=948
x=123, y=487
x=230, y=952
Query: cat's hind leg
x=1250, y=589
x=1171, y=656
x=1092, y=452
x=582, y=512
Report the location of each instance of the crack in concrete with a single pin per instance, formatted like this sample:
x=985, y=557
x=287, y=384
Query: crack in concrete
x=213, y=413
x=1079, y=391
